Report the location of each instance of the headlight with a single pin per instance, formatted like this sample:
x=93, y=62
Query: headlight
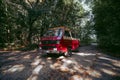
x=58, y=42
x=40, y=42
x=40, y=48
x=55, y=49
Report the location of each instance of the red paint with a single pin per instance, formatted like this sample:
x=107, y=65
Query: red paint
x=51, y=42
x=50, y=38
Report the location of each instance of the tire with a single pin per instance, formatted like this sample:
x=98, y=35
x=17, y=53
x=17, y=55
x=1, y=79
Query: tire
x=68, y=53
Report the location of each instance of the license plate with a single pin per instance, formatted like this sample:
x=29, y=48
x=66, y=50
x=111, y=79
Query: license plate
x=47, y=51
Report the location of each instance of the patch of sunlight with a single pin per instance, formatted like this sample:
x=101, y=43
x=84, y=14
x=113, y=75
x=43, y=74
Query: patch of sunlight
x=79, y=77
x=24, y=53
x=17, y=51
x=61, y=62
x=35, y=73
x=79, y=69
x=37, y=69
x=65, y=65
x=60, y=65
x=33, y=1
x=76, y=77
x=49, y=60
x=35, y=77
x=36, y=62
x=42, y=63
x=61, y=57
x=87, y=71
x=117, y=64
x=64, y=69
x=85, y=54
x=66, y=61
x=15, y=68
x=105, y=58
x=88, y=61
x=12, y=53
x=110, y=72
x=37, y=57
x=27, y=57
x=71, y=71
x=87, y=79
x=12, y=58
x=94, y=73
x=56, y=65
x=106, y=64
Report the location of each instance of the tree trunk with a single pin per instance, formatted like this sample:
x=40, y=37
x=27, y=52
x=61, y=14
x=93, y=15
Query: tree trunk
x=30, y=31
x=29, y=35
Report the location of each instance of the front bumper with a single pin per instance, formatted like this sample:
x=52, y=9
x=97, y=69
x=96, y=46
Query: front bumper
x=49, y=51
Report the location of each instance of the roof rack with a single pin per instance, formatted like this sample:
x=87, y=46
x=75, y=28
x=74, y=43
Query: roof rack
x=63, y=27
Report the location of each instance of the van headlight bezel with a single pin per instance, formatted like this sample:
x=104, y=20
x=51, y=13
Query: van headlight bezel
x=57, y=42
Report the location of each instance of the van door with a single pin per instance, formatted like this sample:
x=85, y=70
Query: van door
x=75, y=42
x=67, y=39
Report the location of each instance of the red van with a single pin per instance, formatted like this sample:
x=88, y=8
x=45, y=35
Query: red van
x=58, y=40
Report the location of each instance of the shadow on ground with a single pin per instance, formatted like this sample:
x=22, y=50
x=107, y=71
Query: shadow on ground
x=87, y=64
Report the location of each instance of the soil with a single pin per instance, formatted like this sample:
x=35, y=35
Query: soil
x=87, y=64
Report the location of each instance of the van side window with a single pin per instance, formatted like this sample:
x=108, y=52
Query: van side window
x=74, y=35
x=67, y=34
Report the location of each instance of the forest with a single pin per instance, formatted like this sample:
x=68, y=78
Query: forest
x=107, y=27
x=23, y=22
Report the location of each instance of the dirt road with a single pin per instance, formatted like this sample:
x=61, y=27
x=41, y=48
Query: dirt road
x=87, y=64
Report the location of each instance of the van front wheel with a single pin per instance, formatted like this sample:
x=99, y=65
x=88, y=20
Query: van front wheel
x=68, y=53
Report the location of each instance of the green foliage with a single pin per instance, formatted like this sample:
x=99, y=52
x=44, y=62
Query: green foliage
x=24, y=21
x=107, y=19
x=86, y=32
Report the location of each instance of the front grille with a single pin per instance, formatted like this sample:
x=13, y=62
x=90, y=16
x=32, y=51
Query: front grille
x=48, y=47
x=49, y=42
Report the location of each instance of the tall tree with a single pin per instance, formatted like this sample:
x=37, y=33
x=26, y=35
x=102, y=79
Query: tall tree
x=21, y=20
x=107, y=19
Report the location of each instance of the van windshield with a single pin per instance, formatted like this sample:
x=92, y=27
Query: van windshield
x=54, y=32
